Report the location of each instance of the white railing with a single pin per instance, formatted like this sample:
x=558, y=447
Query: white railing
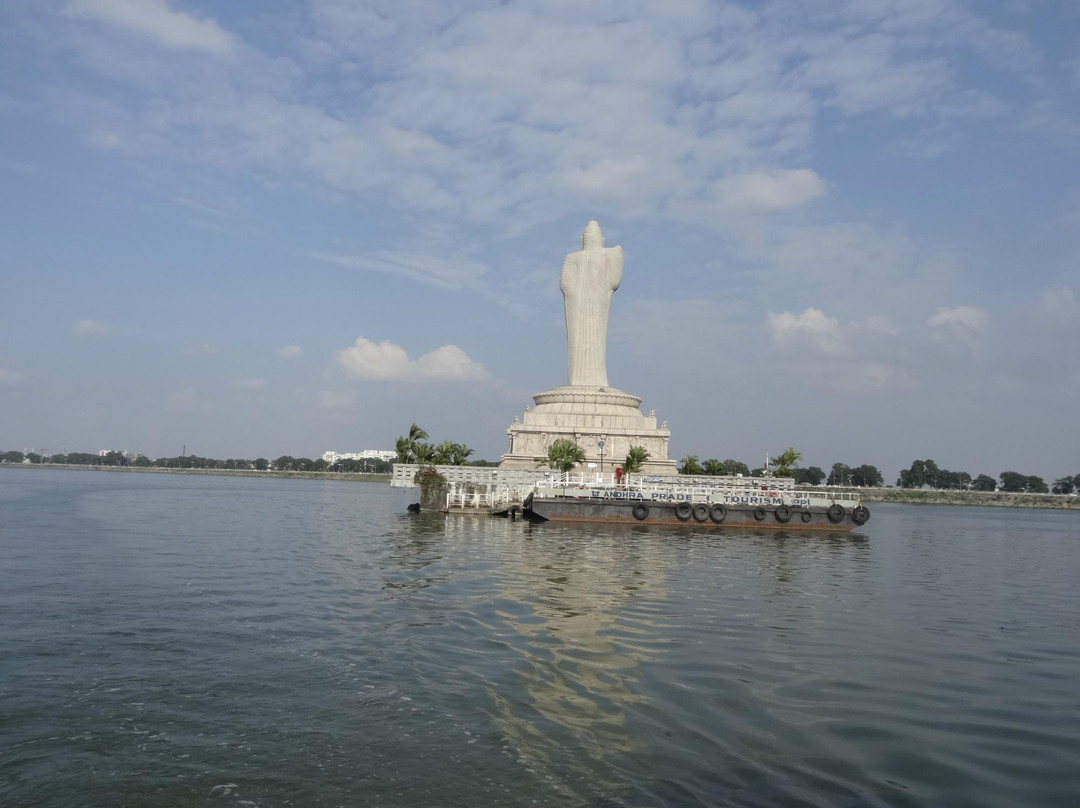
x=482, y=496
x=694, y=490
x=403, y=473
x=492, y=487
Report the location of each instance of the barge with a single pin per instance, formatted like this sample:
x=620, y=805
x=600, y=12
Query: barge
x=748, y=502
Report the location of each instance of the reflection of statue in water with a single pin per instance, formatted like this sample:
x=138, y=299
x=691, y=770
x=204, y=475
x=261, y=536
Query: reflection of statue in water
x=588, y=279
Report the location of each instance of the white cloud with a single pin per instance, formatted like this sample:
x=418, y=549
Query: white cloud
x=289, y=351
x=337, y=401
x=386, y=361
x=154, y=19
x=187, y=401
x=959, y=330
x=250, y=384
x=1060, y=306
x=970, y=319
x=813, y=328
x=772, y=191
x=199, y=349
x=91, y=328
x=449, y=273
x=9, y=376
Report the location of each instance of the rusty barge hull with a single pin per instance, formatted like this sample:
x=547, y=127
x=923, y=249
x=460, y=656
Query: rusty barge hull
x=571, y=509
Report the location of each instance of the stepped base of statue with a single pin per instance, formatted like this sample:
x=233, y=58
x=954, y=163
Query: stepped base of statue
x=587, y=415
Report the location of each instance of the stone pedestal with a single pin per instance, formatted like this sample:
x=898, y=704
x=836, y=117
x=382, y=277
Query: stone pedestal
x=584, y=415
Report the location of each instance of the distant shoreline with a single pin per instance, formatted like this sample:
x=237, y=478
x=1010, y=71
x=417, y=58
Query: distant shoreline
x=990, y=499
x=906, y=496
x=302, y=475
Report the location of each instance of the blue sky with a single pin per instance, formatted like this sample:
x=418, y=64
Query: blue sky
x=850, y=226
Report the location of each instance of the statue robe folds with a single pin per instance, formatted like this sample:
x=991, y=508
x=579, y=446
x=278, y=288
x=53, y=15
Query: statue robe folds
x=588, y=279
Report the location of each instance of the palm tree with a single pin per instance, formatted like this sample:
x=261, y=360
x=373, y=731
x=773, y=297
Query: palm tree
x=459, y=453
x=424, y=453
x=564, y=454
x=784, y=465
x=635, y=459
x=714, y=468
x=407, y=444
x=690, y=465
x=443, y=452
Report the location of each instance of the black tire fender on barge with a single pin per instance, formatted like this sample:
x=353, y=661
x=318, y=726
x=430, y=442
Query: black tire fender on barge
x=783, y=514
x=641, y=512
x=701, y=513
x=682, y=511
x=759, y=514
x=836, y=513
x=718, y=513
x=807, y=516
x=860, y=514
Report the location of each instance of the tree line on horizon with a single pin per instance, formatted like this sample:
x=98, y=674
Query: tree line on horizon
x=283, y=463
x=922, y=473
x=565, y=454
x=786, y=464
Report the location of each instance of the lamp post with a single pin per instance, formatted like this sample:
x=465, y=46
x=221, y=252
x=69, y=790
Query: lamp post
x=600, y=443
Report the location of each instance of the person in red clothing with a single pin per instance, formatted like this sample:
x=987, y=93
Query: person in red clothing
x=618, y=475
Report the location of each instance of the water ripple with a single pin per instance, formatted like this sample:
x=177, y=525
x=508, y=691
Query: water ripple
x=172, y=641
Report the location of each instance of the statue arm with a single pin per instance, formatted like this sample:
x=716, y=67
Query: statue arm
x=567, y=270
x=615, y=268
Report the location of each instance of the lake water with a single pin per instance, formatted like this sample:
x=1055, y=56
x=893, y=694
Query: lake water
x=175, y=640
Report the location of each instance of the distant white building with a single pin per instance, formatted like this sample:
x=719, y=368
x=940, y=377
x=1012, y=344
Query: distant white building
x=367, y=454
x=127, y=455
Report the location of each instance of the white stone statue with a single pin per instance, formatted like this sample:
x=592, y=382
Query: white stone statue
x=587, y=281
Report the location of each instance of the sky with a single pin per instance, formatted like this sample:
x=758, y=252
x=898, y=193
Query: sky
x=240, y=230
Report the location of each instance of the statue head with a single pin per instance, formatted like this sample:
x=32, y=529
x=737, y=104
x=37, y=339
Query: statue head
x=593, y=237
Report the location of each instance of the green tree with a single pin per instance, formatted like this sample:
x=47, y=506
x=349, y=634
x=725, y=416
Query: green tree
x=1013, y=481
x=407, y=446
x=261, y=464
x=734, y=467
x=714, y=468
x=459, y=454
x=984, y=482
x=423, y=453
x=564, y=454
x=635, y=460
x=784, y=464
x=12, y=457
x=284, y=463
x=809, y=476
x=443, y=452
x=1063, y=485
x=1036, y=485
x=690, y=465
x=922, y=473
x=840, y=474
x=867, y=476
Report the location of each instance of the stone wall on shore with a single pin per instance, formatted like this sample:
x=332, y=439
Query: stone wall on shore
x=301, y=475
x=999, y=499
